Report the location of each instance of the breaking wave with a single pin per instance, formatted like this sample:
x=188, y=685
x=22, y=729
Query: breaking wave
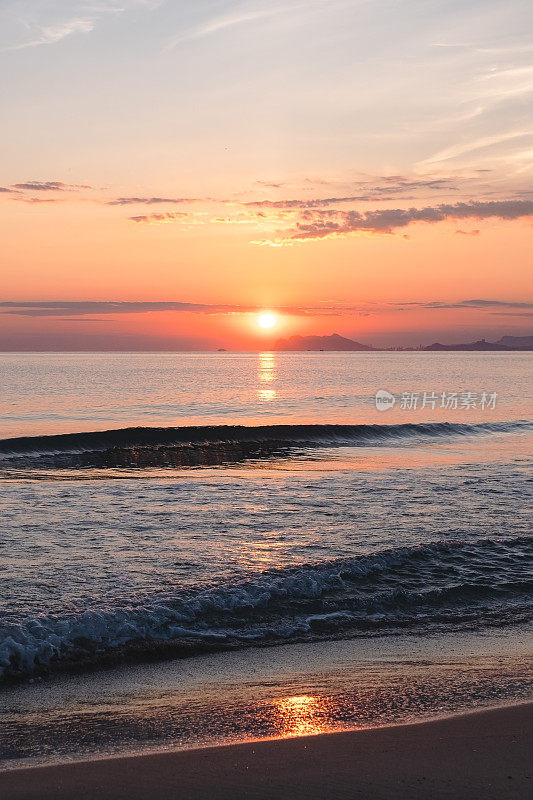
x=211, y=445
x=448, y=584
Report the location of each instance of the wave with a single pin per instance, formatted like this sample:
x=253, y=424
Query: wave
x=447, y=584
x=217, y=444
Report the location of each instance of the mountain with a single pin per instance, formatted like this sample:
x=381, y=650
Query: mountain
x=520, y=342
x=335, y=342
x=332, y=343
x=505, y=343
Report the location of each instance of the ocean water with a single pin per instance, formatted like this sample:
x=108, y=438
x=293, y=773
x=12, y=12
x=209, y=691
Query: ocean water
x=199, y=548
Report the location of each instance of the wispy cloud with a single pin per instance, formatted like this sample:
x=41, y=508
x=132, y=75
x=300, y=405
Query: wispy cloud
x=471, y=146
x=507, y=83
x=150, y=201
x=63, y=309
x=481, y=304
x=169, y=216
x=49, y=186
x=271, y=184
x=241, y=15
x=50, y=34
x=38, y=200
x=44, y=23
x=81, y=308
x=395, y=185
x=288, y=12
x=526, y=314
x=372, y=190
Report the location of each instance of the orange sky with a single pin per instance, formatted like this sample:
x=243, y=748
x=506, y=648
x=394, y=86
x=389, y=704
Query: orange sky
x=370, y=178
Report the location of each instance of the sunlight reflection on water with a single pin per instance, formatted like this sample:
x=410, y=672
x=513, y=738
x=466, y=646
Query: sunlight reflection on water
x=266, y=373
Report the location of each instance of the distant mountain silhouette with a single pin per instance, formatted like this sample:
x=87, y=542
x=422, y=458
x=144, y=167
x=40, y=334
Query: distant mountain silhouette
x=332, y=342
x=523, y=342
x=505, y=343
x=335, y=342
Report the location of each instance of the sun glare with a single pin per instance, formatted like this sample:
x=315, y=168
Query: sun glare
x=266, y=320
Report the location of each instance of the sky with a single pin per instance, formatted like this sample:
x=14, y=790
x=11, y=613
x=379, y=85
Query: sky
x=171, y=169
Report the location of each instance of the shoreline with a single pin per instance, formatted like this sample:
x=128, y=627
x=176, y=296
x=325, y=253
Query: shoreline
x=259, y=694
x=480, y=753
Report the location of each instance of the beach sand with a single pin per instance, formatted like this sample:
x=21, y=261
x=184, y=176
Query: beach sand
x=486, y=755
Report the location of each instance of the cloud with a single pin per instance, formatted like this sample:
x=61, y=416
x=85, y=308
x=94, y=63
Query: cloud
x=323, y=224
x=34, y=200
x=314, y=203
x=49, y=186
x=476, y=303
x=471, y=146
x=54, y=33
x=80, y=319
x=270, y=185
x=287, y=13
x=149, y=201
x=240, y=219
x=527, y=314
x=85, y=309
x=35, y=23
x=216, y=24
x=82, y=308
x=493, y=307
x=395, y=184
x=508, y=82
x=475, y=232
x=169, y=216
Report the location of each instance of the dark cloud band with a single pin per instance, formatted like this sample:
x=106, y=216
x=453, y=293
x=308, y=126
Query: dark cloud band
x=313, y=225
x=85, y=308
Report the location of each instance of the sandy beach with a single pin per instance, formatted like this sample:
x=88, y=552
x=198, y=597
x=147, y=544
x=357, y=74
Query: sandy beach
x=486, y=754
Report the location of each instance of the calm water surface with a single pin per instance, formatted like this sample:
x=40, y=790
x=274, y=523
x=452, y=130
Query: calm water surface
x=57, y=393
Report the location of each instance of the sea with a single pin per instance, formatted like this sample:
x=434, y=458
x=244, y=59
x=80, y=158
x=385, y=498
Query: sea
x=202, y=548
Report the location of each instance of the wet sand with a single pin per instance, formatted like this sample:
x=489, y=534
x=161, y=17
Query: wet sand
x=487, y=754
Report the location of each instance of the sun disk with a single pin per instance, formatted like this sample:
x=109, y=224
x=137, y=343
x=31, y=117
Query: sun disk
x=266, y=320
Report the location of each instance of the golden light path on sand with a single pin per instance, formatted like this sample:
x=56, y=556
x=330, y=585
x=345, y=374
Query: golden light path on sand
x=302, y=715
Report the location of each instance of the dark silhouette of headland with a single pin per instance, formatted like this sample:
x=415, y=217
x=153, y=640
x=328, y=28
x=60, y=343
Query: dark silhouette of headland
x=337, y=343
x=332, y=342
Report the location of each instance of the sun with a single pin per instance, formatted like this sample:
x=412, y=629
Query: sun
x=267, y=320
